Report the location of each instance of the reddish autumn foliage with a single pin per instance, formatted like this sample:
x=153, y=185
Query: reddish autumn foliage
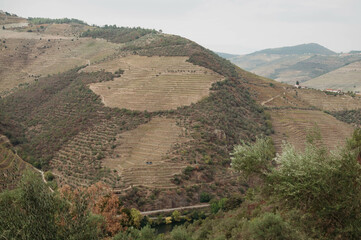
x=98, y=199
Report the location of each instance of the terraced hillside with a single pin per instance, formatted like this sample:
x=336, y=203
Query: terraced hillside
x=11, y=165
x=294, y=125
x=8, y=18
x=140, y=155
x=188, y=108
x=150, y=110
x=329, y=102
x=295, y=112
x=26, y=56
x=347, y=78
x=153, y=83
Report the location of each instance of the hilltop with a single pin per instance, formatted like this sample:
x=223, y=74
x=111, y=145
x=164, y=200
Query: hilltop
x=309, y=48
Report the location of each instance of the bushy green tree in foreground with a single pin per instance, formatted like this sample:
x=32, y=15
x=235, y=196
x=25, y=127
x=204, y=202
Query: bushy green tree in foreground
x=324, y=185
x=254, y=159
x=32, y=211
x=28, y=212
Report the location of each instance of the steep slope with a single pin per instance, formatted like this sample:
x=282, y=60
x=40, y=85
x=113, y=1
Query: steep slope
x=167, y=142
x=11, y=165
x=347, y=78
x=26, y=56
x=296, y=112
x=187, y=117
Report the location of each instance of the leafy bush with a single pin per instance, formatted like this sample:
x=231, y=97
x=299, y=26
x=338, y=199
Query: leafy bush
x=268, y=226
x=49, y=176
x=253, y=159
x=205, y=197
x=326, y=185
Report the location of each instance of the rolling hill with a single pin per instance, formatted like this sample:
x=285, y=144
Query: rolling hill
x=153, y=115
x=346, y=78
x=310, y=48
x=297, y=63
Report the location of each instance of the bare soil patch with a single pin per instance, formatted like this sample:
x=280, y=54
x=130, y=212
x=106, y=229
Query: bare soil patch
x=153, y=83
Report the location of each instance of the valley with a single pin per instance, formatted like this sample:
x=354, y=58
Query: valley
x=109, y=132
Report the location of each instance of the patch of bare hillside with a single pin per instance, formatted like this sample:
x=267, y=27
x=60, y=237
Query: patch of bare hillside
x=153, y=83
x=347, y=78
x=7, y=18
x=23, y=60
x=329, y=102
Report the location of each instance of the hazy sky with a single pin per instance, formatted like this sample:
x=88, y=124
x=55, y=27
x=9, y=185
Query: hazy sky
x=233, y=26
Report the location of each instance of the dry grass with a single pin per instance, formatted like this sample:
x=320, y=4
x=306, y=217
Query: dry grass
x=327, y=102
x=347, y=78
x=153, y=83
x=150, y=142
x=292, y=122
x=23, y=60
x=5, y=19
x=293, y=125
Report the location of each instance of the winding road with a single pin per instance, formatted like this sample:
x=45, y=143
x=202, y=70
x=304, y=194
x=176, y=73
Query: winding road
x=173, y=209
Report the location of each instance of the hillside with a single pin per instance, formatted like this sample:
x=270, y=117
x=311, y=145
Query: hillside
x=67, y=108
x=298, y=63
x=309, y=48
x=347, y=78
x=12, y=166
x=152, y=115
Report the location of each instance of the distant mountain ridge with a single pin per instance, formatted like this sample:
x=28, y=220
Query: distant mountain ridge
x=309, y=48
x=226, y=55
x=303, y=63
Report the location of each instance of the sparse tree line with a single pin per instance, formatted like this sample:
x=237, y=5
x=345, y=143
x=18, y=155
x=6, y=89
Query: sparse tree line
x=38, y=20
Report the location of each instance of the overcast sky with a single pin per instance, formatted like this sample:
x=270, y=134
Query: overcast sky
x=232, y=26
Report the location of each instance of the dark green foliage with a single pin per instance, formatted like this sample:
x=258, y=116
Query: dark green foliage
x=119, y=71
x=28, y=212
x=117, y=34
x=325, y=185
x=41, y=118
x=49, y=176
x=254, y=159
x=349, y=116
x=268, y=226
x=224, y=118
x=33, y=212
x=205, y=197
x=38, y=20
x=146, y=233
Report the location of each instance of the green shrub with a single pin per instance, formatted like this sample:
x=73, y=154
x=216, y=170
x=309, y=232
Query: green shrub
x=253, y=159
x=49, y=176
x=325, y=185
x=267, y=227
x=205, y=197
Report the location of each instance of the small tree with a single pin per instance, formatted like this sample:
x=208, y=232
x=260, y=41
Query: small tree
x=176, y=216
x=253, y=159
